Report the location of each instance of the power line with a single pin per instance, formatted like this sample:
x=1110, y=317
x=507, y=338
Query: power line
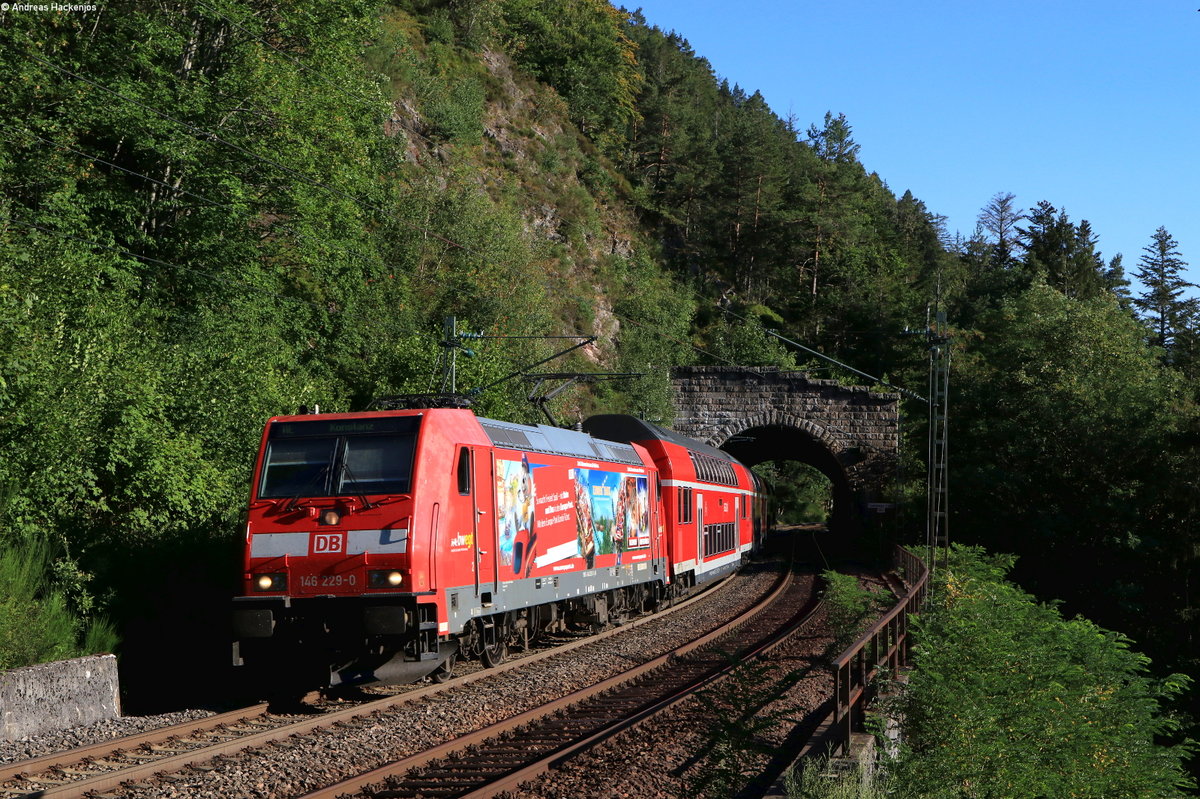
x=215, y=203
x=126, y=170
x=672, y=339
x=824, y=357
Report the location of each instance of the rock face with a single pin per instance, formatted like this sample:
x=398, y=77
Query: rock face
x=851, y=434
x=55, y=696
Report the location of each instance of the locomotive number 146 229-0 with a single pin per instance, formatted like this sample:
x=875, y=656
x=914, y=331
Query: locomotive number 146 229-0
x=328, y=580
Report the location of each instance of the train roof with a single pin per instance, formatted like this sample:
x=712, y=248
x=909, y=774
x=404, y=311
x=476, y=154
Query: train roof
x=557, y=441
x=511, y=435
x=621, y=427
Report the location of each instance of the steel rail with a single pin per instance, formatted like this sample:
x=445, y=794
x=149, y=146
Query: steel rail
x=512, y=782
x=60, y=770
x=360, y=782
x=104, y=748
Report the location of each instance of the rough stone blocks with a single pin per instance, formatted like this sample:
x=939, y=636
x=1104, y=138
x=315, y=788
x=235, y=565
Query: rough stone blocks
x=54, y=696
x=714, y=403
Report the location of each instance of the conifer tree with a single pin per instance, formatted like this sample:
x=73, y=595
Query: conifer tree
x=1162, y=304
x=1000, y=218
x=1062, y=253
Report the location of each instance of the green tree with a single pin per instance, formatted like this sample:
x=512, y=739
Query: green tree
x=1062, y=253
x=1000, y=218
x=1163, y=306
x=581, y=49
x=834, y=141
x=1070, y=449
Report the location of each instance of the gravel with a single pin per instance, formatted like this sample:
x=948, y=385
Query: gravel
x=75, y=737
x=708, y=745
x=301, y=765
x=336, y=754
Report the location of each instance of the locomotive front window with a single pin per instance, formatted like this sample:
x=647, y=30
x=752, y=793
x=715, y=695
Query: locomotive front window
x=373, y=465
x=337, y=458
x=297, y=467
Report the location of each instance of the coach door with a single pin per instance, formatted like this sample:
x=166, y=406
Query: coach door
x=656, y=521
x=699, y=531
x=489, y=530
x=737, y=522
x=465, y=516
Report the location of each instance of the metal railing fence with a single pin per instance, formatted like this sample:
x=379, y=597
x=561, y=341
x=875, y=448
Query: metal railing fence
x=885, y=644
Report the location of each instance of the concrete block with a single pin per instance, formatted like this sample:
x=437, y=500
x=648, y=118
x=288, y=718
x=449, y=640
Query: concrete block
x=55, y=696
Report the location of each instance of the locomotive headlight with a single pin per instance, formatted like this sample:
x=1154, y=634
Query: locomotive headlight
x=385, y=579
x=271, y=582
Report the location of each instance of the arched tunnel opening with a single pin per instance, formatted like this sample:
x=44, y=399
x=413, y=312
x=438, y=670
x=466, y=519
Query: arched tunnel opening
x=795, y=456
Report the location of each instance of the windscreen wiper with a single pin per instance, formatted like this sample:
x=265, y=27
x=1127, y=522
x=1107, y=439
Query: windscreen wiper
x=292, y=503
x=345, y=471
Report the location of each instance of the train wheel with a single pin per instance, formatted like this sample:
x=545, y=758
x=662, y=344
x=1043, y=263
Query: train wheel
x=528, y=628
x=495, y=644
x=445, y=671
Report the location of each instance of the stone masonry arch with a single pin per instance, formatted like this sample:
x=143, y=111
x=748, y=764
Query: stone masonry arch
x=849, y=433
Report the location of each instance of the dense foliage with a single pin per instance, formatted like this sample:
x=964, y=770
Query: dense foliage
x=1011, y=699
x=217, y=213
x=36, y=624
x=211, y=213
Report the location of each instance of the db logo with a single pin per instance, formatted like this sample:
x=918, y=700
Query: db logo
x=328, y=543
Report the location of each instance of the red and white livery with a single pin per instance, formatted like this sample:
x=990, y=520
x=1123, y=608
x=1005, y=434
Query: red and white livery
x=382, y=545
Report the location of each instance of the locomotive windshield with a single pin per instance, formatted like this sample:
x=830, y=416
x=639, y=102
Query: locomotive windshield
x=331, y=458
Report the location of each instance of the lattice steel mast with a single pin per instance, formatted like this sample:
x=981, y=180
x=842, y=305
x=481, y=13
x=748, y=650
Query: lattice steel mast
x=937, y=526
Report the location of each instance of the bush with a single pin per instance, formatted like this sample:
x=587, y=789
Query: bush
x=816, y=780
x=1010, y=699
x=848, y=606
x=35, y=623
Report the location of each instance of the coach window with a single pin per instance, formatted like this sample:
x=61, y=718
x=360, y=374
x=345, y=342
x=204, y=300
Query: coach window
x=464, y=471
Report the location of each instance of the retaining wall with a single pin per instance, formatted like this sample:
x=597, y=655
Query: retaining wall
x=54, y=696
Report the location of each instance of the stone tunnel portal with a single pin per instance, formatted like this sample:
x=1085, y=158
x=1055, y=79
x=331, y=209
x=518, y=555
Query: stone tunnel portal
x=783, y=443
x=850, y=434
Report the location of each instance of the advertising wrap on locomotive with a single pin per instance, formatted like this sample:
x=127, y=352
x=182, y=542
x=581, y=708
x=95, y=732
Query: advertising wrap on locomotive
x=381, y=546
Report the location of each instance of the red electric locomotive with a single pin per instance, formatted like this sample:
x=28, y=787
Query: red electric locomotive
x=381, y=545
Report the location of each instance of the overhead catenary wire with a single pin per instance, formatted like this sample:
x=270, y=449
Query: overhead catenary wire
x=673, y=339
x=834, y=361
x=126, y=170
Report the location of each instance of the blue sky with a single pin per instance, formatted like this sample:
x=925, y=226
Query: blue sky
x=1093, y=106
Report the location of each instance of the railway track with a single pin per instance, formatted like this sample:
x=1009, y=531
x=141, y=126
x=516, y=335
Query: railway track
x=107, y=766
x=505, y=755
x=126, y=765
